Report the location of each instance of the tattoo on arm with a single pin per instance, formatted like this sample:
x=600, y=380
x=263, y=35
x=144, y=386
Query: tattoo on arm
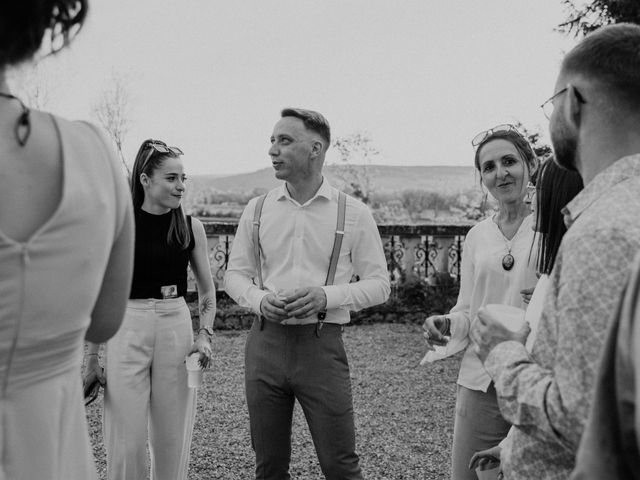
x=206, y=305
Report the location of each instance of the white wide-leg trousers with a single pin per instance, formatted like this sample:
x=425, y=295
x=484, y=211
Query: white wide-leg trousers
x=147, y=394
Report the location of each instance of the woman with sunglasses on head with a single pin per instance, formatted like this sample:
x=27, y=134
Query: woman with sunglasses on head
x=555, y=188
x=146, y=378
x=495, y=268
x=66, y=253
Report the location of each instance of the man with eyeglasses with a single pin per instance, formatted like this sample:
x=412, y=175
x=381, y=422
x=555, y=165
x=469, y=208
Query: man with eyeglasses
x=594, y=123
x=294, y=255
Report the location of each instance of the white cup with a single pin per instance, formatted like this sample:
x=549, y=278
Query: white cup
x=194, y=370
x=491, y=474
x=510, y=317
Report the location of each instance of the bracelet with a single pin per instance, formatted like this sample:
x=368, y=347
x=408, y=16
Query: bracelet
x=205, y=330
x=447, y=327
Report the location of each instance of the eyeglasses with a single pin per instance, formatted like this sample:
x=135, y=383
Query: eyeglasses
x=547, y=107
x=160, y=147
x=482, y=136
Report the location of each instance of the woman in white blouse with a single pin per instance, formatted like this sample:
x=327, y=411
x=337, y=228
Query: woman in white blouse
x=495, y=268
x=554, y=189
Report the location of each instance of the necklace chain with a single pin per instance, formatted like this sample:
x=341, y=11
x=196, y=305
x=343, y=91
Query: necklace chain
x=22, y=129
x=507, y=260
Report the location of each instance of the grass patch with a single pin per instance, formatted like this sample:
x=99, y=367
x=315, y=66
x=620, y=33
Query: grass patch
x=404, y=412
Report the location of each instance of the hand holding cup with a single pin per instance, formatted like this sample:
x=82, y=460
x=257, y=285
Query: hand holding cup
x=496, y=324
x=437, y=330
x=194, y=370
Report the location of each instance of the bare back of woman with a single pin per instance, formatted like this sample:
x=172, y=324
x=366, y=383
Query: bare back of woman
x=31, y=176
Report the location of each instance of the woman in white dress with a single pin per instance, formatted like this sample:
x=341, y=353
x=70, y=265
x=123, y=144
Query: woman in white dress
x=66, y=251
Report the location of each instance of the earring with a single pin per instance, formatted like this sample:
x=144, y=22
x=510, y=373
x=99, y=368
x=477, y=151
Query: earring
x=483, y=204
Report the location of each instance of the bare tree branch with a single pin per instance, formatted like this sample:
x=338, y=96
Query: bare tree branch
x=33, y=84
x=112, y=111
x=357, y=147
x=584, y=19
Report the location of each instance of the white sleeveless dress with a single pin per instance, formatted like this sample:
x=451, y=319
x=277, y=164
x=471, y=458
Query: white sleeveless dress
x=48, y=288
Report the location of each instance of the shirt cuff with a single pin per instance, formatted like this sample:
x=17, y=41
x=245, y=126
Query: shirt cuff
x=502, y=356
x=335, y=296
x=458, y=328
x=255, y=299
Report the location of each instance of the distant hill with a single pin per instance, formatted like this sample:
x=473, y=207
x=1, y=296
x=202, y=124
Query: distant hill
x=444, y=179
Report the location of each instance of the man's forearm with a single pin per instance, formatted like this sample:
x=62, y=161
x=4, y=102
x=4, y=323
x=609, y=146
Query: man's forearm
x=530, y=397
x=358, y=295
x=242, y=289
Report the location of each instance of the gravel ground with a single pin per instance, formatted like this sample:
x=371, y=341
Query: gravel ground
x=404, y=412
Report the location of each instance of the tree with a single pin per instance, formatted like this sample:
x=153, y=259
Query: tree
x=112, y=113
x=33, y=83
x=416, y=201
x=357, y=147
x=542, y=150
x=591, y=16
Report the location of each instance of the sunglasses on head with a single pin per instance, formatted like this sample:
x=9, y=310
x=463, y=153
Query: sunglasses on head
x=504, y=128
x=162, y=147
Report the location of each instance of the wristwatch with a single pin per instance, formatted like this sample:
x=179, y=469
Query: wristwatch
x=207, y=329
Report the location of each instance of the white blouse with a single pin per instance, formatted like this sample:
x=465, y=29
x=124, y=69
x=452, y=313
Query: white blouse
x=483, y=280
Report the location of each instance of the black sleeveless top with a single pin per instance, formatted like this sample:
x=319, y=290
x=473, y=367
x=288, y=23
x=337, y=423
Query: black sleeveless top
x=156, y=263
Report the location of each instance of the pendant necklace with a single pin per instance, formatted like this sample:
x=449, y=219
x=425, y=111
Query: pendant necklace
x=23, y=127
x=508, y=260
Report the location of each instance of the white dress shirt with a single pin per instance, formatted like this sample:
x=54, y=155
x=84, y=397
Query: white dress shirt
x=295, y=249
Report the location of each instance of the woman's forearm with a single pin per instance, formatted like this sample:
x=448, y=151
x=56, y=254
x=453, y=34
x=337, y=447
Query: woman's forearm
x=207, y=308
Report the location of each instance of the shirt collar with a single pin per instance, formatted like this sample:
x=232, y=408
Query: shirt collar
x=325, y=191
x=621, y=170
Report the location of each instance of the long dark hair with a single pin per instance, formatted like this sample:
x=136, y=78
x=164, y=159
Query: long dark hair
x=148, y=160
x=555, y=187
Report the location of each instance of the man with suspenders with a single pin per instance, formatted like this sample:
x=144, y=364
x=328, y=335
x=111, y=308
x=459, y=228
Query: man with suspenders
x=294, y=255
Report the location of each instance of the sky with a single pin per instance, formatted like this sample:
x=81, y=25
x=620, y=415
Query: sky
x=419, y=77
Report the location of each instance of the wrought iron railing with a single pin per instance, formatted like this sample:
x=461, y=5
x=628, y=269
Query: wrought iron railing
x=431, y=252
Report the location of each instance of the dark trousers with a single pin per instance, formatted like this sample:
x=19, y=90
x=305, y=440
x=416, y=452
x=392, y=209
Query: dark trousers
x=288, y=362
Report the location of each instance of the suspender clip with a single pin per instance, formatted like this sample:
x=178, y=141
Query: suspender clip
x=321, y=316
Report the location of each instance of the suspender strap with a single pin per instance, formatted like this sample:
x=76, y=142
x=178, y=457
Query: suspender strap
x=335, y=254
x=337, y=242
x=256, y=238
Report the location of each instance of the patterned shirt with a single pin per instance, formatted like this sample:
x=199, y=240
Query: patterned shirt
x=609, y=446
x=546, y=394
